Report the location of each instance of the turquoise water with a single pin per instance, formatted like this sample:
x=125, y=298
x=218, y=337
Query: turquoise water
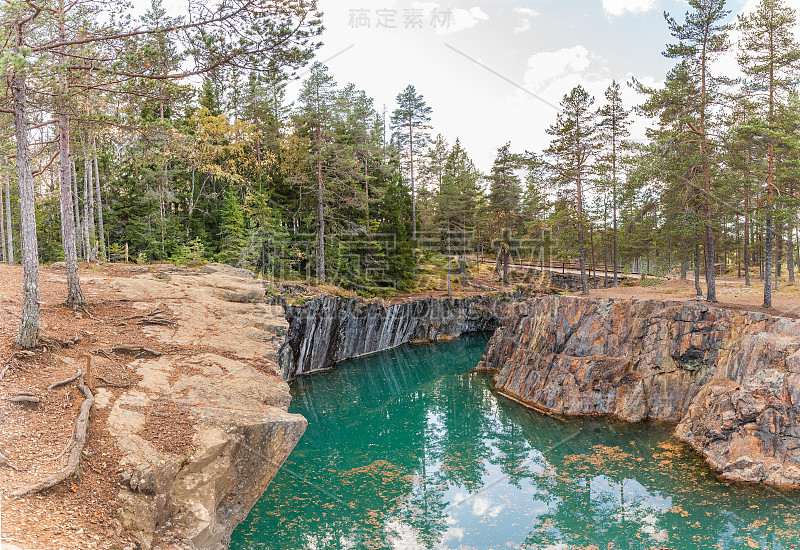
x=408, y=450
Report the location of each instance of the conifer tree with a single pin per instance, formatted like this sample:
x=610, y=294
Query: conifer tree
x=572, y=153
x=769, y=52
x=410, y=133
x=702, y=38
x=613, y=124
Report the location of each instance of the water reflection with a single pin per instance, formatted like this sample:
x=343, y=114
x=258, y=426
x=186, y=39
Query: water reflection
x=405, y=450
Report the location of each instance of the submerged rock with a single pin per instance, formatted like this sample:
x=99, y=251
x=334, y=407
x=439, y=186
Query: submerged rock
x=730, y=380
x=326, y=330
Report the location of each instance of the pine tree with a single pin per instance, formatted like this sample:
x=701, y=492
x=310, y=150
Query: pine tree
x=317, y=98
x=505, y=189
x=613, y=124
x=701, y=39
x=572, y=152
x=455, y=204
x=410, y=134
x=769, y=52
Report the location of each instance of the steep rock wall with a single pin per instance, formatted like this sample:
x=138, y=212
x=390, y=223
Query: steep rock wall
x=730, y=380
x=327, y=330
x=216, y=376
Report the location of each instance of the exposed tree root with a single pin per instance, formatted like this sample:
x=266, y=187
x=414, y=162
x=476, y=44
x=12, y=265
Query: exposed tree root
x=8, y=364
x=89, y=313
x=81, y=428
x=64, y=450
x=23, y=399
x=4, y=462
x=110, y=384
x=65, y=381
x=136, y=349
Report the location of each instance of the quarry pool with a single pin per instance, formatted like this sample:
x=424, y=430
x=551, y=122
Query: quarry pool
x=407, y=449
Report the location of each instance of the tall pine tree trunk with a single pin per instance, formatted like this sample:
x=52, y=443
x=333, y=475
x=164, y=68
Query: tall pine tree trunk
x=768, y=228
x=697, y=287
x=90, y=198
x=29, y=323
x=100, y=227
x=768, y=255
x=413, y=188
x=321, y=224
x=74, y=293
x=87, y=243
x=789, y=242
x=584, y=281
x=711, y=287
x=746, y=241
x=77, y=208
x=3, y=214
x=616, y=280
x=9, y=224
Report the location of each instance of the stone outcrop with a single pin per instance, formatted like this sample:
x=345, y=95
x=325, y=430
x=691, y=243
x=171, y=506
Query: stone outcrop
x=730, y=380
x=326, y=330
x=192, y=491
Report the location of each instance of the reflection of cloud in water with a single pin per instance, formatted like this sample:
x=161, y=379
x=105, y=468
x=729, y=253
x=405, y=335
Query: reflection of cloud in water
x=402, y=536
x=482, y=506
x=649, y=528
x=608, y=494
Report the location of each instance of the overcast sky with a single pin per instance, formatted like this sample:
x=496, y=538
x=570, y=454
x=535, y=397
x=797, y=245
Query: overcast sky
x=493, y=71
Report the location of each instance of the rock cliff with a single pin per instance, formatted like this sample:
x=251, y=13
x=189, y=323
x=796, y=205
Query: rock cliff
x=326, y=330
x=231, y=411
x=729, y=379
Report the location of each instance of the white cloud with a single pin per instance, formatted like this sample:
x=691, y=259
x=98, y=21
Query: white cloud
x=525, y=16
x=454, y=20
x=615, y=8
x=464, y=19
x=547, y=67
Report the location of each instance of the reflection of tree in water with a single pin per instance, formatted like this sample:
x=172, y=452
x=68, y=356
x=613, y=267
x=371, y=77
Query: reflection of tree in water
x=637, y=487
x=396, y=439
x=373, y=442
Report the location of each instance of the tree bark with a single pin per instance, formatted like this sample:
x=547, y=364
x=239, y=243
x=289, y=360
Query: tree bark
x=790, y=243
x=413, y=188
x=3, y=214
x=28, y=335
x=321, y=223
x=9, y=225
x=74, y=292
x=87, y=248
x=697, y=286
x=100, y=227
x=746, y=242
x=684, y=263
x=584, y=281
x=768, y=256
x=77, y=208
x=616, y=280
x=87, y=163
x=711, y=288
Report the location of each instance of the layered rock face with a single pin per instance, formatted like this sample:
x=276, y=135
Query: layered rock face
x=221, y=388
x=730, y=380
x=326, y=330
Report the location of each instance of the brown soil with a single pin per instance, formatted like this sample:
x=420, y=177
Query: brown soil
x=81, y=511
x=731, y=294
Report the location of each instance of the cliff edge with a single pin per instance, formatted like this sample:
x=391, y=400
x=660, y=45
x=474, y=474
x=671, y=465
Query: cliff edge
x=730, y=380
